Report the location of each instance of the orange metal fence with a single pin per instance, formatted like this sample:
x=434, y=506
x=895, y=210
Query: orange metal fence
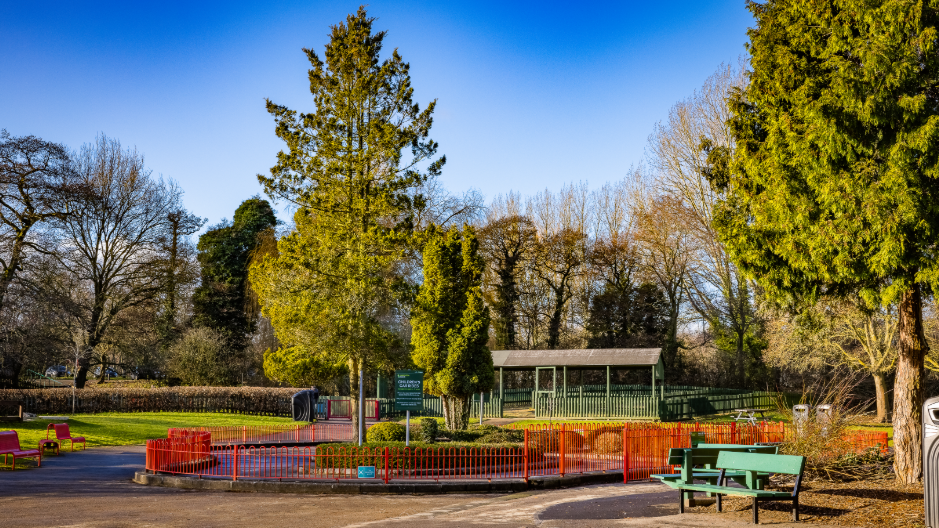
x=275, y=434
x=638, y=450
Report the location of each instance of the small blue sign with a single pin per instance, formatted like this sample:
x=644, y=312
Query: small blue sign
x=366, y=472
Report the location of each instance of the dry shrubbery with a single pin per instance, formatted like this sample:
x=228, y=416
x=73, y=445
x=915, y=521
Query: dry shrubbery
x=606, y=441
x=241, y=400
x=829, y=445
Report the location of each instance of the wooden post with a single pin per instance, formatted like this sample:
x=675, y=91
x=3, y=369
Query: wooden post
x=501, y=385
x=608, y=390
x=655, y=403
x=564, y=380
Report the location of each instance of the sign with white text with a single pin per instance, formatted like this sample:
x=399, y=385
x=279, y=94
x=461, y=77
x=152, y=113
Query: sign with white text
x=409, y=390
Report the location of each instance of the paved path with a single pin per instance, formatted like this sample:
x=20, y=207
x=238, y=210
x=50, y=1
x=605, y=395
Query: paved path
x=94, y=489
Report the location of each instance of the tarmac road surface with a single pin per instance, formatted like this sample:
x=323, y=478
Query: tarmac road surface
x=94, y=489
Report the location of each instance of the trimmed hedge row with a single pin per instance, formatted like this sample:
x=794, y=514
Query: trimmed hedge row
x=260, y=401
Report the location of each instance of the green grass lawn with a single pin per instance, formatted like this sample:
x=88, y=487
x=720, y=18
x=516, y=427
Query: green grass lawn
x=110, y=429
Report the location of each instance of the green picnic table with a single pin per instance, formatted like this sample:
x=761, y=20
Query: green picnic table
x=754, y=466
x=698, y=463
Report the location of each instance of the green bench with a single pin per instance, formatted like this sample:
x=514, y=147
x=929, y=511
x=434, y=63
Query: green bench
x=753, y=465
x=705, y=456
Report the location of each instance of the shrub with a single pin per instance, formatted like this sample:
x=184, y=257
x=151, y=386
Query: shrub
x=200, y=357
x=262, y=401
x=606, y=442
x=549, y=441
x=385, y=432
x=430, y=428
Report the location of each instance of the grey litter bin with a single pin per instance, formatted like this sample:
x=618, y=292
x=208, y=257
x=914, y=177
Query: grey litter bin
x=823, y=415
x=931, y=460
x=800, y=416
x=302, y=404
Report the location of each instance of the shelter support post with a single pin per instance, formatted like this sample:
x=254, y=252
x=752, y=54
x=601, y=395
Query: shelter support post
x=501, y=385
x=608, y=407
x=653, y=381
x=564, y=380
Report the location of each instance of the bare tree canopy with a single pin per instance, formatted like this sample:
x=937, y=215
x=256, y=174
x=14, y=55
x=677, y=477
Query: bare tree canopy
x=111, y=242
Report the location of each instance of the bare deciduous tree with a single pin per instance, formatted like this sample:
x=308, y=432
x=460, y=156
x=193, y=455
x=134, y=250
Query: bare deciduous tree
x=111, y=244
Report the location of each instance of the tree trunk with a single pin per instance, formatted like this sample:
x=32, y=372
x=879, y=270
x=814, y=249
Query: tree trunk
x=82, y=375
x=880, y=391
x=908, y=390
x=354, y=396
x=455, y=412
x=554, y=324
x=741, y=362
x=104, y=368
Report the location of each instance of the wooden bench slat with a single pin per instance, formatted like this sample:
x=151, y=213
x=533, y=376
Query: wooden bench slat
x=786, y=464
x=727, y=490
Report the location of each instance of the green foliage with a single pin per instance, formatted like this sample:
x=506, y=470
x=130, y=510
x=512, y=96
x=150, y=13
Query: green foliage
x=451, y=324
x=224, y=251
x=199, y=358
x=333, y=291
x=749, y=353
x=635, y=318
x=832, y=185
x=386, y=432
x=296, y=367
x=430, y=429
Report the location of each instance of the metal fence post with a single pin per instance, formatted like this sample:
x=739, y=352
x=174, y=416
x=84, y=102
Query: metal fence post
x=387, y=469
x=625, y=453
x=234, y=468
x=561, y=449
x=526, y=454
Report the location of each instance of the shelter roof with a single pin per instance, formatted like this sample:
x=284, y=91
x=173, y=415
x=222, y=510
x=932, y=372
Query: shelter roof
x=593, y=357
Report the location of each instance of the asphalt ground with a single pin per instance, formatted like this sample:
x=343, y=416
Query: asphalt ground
x=94, y=488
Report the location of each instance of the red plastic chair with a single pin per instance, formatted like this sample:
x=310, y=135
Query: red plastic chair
x=10, y=445
x=62, y=433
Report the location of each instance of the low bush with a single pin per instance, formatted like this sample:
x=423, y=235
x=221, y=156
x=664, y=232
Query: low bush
x=385, y=432
x=549, y=441
x=606, y=442
x=430, y=429
x=419, y=455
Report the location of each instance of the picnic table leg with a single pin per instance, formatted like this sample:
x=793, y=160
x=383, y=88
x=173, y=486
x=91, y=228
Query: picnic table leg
x=681, y=500
x=719, y=506
x=795, y=509
x=756, y=511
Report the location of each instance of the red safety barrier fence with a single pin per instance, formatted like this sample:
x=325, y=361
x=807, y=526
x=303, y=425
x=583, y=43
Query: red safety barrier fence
x=343, y=409
x=275, y=434
x=639, y=450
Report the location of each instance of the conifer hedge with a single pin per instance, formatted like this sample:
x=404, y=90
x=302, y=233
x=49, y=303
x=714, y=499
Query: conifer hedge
x=260, y=401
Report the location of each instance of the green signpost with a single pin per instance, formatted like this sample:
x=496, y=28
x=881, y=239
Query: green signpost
x=409, y=396
x=409, y=390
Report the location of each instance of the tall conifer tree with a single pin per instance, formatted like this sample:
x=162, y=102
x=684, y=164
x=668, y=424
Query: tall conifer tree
x=451, y=324
x=352, y=167
x=834, y=184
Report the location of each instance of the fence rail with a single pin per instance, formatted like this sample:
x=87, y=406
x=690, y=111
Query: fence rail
x=637, y=450
x=625, y=401
x=274, y=434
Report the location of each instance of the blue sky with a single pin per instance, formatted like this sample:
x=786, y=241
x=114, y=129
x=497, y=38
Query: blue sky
x=531, y=95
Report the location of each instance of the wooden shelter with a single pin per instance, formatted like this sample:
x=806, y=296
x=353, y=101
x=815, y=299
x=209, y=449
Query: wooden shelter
x=547, y=363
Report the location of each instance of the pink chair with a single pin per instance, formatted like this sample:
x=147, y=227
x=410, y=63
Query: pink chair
x=62, y=433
